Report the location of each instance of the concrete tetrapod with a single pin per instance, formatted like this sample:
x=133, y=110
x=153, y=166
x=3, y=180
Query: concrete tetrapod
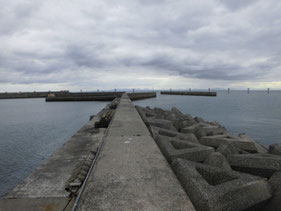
x=263, y=165
x=227, y=149
x=218, y=160
x=275, y=149
x=175, y=148
x=274, y=203
x=213, y=189
x=173, y=134
x=145, y=113
x=162, y=123
x=216, y=140
x=204, y=129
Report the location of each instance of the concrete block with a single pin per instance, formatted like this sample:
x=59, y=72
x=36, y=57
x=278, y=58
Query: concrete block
x=171, y=117
x=264, y=165
x=275, y=202
x=227, y=148
x=259, y=148
x=275, y=149
x=204, y=129
x=218, y=160
x=142, y=114
x=160, y=113
x=275, y=181
x=199, y=120
x=180, y=124
x=173, y=134
x=178, y=119
x=162, y=123
x=216, y=140
x=213, y=189
x=187, y=122
x=209, y=131
x=193, y=128
x=145, y=113
x=177, y=112
x=175, y=148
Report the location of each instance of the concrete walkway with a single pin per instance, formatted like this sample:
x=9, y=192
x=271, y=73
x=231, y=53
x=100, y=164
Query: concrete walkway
x=131, y=172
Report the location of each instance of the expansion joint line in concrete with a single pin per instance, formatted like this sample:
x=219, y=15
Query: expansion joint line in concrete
x=91, y=168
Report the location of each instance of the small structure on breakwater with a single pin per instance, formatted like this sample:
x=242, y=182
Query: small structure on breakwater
x=209, y=94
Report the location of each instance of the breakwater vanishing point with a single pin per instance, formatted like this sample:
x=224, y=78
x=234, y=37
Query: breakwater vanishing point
x=113, y=162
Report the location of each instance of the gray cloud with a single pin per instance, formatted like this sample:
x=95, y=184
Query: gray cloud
x=237, y=4
x=75, y=43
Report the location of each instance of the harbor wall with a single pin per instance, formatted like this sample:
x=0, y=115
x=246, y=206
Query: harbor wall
x=210, y=94
x=104, y=96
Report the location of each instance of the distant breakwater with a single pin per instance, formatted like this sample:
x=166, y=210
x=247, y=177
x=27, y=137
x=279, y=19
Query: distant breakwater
x=98, y=96
x=211, y=94
x=18, y=95
x=76, y=96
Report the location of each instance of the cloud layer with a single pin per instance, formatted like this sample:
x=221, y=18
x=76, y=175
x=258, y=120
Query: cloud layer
x=143, y=43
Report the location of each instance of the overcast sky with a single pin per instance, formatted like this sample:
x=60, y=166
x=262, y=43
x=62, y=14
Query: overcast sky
x=102, y=44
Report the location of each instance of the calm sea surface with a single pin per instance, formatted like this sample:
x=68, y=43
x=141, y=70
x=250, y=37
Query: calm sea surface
x=31, y=129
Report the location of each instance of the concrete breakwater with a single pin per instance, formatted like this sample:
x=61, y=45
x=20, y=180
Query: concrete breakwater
x=99, y=96
x=60, y=94
x=218, y=171
x=210, y=94
x=17, y=95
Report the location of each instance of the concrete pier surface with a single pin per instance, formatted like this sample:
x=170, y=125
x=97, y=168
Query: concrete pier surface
x=131, y=173
x=208, y=94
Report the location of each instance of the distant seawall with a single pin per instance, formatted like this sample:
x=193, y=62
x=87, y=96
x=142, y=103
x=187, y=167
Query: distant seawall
x=210, y=94
x=97, y=96
x=76, y=96
x=16, y=95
